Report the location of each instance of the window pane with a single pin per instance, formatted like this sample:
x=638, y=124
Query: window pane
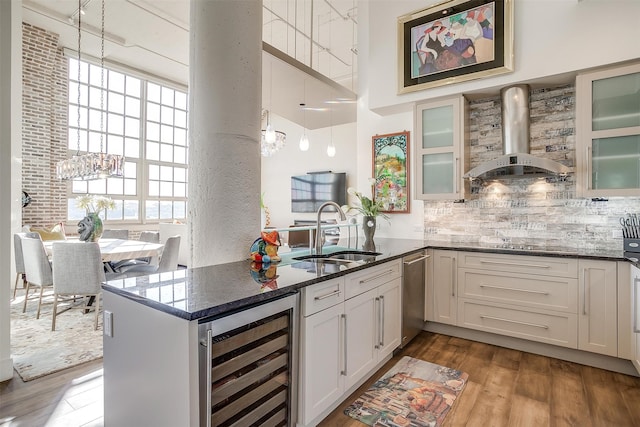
x=166, y=189
x=166, y=152
x=153, y=151
x=154, y=172
x=167, y=115
x=115, y=186
x=154, y=188
x=151, y=209
x=94, y=142
x=133, y=86
x=132, y=127
x=116, y=81
x=131, y=209
x=180, y=155
x=130, y=188
x=97, y=186
x=78, y=186
x=153, y=132
x=179, y=189
x=153, y=112
x=167, y=96
x=73, y=211
x=116, y=103
x=131, y=148
x=153, y=92
x=94, y=97
x=94, y=75
x=115, y=144
x=179, y=175
x=181, y=100
x=116, y=124
x=94, y=119
x=166, y=134
x=179, y=210
x=133, y=107
x=166, y=210
x=181, y=118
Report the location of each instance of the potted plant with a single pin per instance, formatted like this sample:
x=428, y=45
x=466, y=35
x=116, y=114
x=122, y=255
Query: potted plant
x=90, y=227
x=369, y=209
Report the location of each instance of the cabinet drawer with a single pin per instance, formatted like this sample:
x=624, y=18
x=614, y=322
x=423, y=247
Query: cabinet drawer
x=535, y=325
x=538, y=265
x=322, y=295
x=364, y=280
x=547, y=292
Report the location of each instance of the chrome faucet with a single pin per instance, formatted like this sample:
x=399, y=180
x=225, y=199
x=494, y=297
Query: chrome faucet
x=319, y=232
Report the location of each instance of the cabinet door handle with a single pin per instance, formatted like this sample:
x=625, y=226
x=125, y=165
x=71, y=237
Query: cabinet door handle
x=584, y=293
x=456, y=182
x=376, y=345
x=330, y=294
x=209, y=351
x=376, y=277
x=453, y=277
x=514, y=289
x=535, y=325
x=516, y=264
x=636, y=328
x=413, y=261
x=381, y=321
x=344, y=345
x=589, y=173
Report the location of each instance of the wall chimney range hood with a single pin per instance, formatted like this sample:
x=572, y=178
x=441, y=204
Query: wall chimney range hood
x=516, y=160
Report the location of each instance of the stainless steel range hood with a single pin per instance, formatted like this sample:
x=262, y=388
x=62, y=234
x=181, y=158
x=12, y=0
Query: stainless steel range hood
x=515, y=159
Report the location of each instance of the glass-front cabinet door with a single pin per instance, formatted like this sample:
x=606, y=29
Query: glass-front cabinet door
x=440, y=149
x=608, y=132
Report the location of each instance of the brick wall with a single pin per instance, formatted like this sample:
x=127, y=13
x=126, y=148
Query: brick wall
x=44, y=125
x=529, y=211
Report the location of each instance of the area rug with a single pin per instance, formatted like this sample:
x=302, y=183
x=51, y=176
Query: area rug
x=413, y=393
x=38, y=351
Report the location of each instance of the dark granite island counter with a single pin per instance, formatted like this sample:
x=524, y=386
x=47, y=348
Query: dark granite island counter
x=152, y=339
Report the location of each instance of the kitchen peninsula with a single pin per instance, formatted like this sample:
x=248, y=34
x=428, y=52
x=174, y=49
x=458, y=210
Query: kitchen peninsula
x=152, y=341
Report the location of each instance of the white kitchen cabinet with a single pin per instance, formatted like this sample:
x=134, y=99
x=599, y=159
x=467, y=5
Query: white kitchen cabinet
x=322, y=364
x=445, y=273
x=440, y=150
x=597, y=311
x=608, y=132
x=344, y=341
x=635, y=315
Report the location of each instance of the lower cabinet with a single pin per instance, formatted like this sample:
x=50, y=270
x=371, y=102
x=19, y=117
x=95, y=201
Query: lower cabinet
x=597, y=311
x=561, y=301
x=444, y=284
x=343, y=343
x=635, y=316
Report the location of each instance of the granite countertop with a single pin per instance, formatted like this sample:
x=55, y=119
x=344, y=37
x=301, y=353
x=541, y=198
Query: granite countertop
x=205, y=293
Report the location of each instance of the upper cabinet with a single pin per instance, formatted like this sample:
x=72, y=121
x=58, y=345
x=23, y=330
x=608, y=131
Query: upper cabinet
x=608, y=132
x=440, y=150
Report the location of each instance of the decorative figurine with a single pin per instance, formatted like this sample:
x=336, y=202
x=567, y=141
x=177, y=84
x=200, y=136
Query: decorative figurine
x=265, y=249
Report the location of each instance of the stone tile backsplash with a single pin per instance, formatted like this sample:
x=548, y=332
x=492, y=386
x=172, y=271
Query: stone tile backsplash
x=529, y=211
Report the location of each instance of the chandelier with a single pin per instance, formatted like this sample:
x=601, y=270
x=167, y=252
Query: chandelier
x=271, y=140
x=91, y=165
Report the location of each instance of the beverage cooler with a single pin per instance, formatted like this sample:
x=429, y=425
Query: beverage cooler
x=248, y=363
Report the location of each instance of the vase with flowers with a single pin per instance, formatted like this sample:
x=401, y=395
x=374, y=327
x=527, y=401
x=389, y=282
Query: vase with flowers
x=370, y=210
x=90, y=227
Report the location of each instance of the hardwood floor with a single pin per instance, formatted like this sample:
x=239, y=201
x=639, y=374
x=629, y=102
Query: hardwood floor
x=512, y=388
x=505, y=388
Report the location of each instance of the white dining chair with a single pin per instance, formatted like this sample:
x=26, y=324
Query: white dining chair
x=77, y=271
x=145, y=236
x=112, y=233
x=168, y=260
x=36, y=268
x=19, y=260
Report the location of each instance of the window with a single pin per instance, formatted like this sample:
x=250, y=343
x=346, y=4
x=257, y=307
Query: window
x=147, y=123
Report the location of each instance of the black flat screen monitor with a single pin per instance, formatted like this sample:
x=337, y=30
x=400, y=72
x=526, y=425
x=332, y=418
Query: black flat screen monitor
x=310, y=191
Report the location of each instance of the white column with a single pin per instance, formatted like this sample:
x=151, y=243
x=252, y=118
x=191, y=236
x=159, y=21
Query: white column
x=224, y=155
x=10, y=164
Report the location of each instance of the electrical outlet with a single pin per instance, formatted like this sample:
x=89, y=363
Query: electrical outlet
x=107, y=323
x=616, y=234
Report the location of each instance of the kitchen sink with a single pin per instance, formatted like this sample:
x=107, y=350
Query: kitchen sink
x=342, y=256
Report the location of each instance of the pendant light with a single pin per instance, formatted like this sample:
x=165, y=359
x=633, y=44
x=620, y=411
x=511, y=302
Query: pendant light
x=91, y=166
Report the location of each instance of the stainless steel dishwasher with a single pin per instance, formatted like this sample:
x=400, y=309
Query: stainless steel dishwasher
x=414, y=269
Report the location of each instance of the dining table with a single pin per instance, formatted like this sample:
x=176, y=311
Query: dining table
x=113, y=250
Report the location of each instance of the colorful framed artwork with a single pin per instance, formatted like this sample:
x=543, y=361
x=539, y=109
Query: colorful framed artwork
x=391, y=171
x=454, y=41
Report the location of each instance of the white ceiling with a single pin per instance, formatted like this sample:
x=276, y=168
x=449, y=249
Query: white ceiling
x=153, y=36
